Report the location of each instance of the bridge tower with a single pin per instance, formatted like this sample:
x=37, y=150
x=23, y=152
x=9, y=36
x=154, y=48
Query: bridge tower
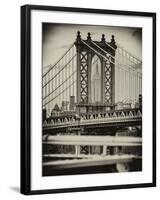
x=86, y=50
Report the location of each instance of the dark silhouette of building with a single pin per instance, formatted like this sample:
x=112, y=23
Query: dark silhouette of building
x=56, y=110
x=65, y=105
x=72, y=103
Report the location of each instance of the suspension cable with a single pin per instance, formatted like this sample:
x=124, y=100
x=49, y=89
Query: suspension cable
x=58, y=60
x=59, y=70
x=109, y=59
x=60, y=93
x=110, y=55
x=120, y=47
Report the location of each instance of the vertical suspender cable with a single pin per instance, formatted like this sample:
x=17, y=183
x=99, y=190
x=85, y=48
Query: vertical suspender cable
x=125, y=85
x=129, y=84
x=56, y=92
x=52, y=82
x=59, y=92
x=65, y=74
x=127, y=81
x=136, y=86
x=69, y=73
x=62, y=80
x=75, y=77
x=46, y=94
x=49, y=105
x=59, y=83
x=133, y=86
x=72, y=70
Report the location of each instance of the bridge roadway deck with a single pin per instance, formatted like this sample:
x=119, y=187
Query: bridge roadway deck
x=96, y=161
x=105, y=122
x=93, y=140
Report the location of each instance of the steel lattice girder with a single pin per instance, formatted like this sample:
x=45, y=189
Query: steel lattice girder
x=84, y=77
x=108, y=82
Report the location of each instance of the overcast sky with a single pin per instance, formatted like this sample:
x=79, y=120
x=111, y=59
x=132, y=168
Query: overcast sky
x=58, y=37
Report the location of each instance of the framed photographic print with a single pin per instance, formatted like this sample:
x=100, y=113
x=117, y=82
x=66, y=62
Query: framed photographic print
x=88, y=99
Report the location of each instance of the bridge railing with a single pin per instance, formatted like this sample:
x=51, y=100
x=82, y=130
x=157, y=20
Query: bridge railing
x=84, y=153
x=92, y=140
x=92, y=118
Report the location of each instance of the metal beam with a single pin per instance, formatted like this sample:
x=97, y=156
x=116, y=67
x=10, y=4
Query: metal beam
x=108, y=160
x=93, y=140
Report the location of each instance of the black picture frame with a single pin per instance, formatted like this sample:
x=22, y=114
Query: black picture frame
x=26, y=98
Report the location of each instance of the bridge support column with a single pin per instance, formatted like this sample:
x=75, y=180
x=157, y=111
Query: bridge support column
x=85, y=51
x=113, y=69
x=104, y=150
x=89, y=78
x=113, y=80
x=77, y=150
x=102, y=81
x=78, y=48
x=78, y=78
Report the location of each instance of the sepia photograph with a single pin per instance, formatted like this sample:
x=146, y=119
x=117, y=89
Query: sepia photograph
x=91, y=99
x=88, y=103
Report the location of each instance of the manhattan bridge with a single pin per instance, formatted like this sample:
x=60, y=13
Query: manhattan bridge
x=92, y=107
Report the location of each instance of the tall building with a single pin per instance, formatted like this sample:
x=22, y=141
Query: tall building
x=72, y=103
x=65, y=105
x=96, y=85
x=55, y=111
